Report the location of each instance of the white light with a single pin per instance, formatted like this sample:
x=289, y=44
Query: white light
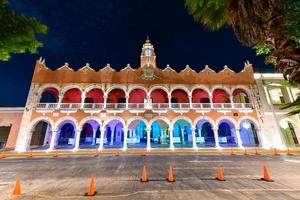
x=284, y=124
x=148, y=148
x=246, y=125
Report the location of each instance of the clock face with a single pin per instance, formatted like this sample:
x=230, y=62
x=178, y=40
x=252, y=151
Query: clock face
x=147, y=52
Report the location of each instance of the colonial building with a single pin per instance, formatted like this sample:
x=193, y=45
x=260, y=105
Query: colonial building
x=150, y=107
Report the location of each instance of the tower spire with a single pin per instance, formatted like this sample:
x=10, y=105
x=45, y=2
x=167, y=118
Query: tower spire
x=148, y=56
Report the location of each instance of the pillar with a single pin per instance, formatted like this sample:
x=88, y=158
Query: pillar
x=238, y=136
x=190, y=101
x=216, y=135
x=171, y=139
x=148, y=138
x=60, y=98
x=193, y=129
x=94, y=136
x=82, y=99
x=169, y=99
x=102, y=134
x=182, y=136
x=231, y=100
x=77, y=140
x=52, y=142
x=104, y=101
x=125, y=138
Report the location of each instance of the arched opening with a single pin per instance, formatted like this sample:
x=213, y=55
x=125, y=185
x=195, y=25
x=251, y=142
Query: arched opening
x=137, y=134
x=137, y=96
x=159, y=136
x=179, y=96
x=226, y=133
x=205, y=134
x=90, y=135
x=240, y=96
x=182, y=134
x=114, y=135
x=200, y=96
x=248, y=133
x=66, y=135
x=116, y=96
x=220, y=96
x=72, y=96
x=95, y=95
x=159, y=96
x=41, y=135
x=289, y=133
x=49, y=95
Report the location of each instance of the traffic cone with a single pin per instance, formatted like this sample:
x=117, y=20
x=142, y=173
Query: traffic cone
x=144, y=176
x=30, y=154
x=91, y=191
x=289, y=152
x=220, y=176
x=55, y=154
x=97, y=153
x=266, y=175
x=276, y=152
x=2, y=155
x=256, y=152
x=17, y=188
x=170, y=177
x=143, y=154
x=232, y=152
x=117, y=153
x=245, y=152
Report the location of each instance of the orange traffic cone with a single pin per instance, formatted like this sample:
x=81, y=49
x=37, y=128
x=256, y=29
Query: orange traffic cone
x=289, y=152
x=30, y=154
x=55, y=154
x=232, y=152
x=144, y=176
x=276, y=152
x=143, y=154
x=17, y=188
x=117, y=153
x=266, y=175
x=220, y=176
x=245, y=152
x=2, y=155
x=91, y=191
x=256, y=152
x=97, y=153
x=170, y=177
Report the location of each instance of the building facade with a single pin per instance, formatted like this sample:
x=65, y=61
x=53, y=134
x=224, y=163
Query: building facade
x=150, y=108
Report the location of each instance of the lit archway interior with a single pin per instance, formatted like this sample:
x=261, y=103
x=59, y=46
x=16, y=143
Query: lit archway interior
x=240, y=96
x=90, y=135
x=159, y=96
x=248, y=133
x=114, y=135
x=49, y=95
x=41, y=135
x=66, y=135
x=204, y=134
x=200, y=96
x=182, y=134
x=116, y=96
x=72, y=96
x=226, y=133
x=220, y=96
x=137, y=134
x=137, y=96
x=179, y=96
x=159, y=136
x=94, y=96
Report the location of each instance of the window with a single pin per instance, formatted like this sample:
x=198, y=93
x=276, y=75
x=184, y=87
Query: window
x=276, y=95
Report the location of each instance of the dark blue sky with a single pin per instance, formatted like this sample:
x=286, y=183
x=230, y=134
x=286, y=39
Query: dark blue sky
x=113, y=31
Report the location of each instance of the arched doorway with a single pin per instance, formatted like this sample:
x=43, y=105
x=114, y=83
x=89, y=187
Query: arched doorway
x=179, y=96
x=288, y=130
x=220, y=96
x=204, y=134
x=90, y=135
x=248, y=133
x=114, y=135
x=41, y=135
x=66, y=135
x=226, y=133
x=182, y=134
x=137, y=134
x=72, y=96
x=159, y=136
x=95, y=95
x=49, y=95
x=240, y=96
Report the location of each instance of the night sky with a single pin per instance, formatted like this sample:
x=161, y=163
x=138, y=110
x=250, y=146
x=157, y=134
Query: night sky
x=113, y=31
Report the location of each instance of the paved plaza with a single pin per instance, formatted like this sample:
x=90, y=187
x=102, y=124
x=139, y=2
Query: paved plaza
x=117, y=177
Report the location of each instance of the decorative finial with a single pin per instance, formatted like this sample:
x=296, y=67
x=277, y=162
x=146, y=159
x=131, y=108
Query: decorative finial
x=87, y=64
x=66, y=64
x=128, y=65
x=148, y=40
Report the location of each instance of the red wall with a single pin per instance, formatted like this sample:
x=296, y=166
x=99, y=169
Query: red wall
x=137, y=96
x=96, y=95
x=159, y=96
x=220, y=96
x=72, y=96
x=114, y=95
x=199, y=94
x=181, y=95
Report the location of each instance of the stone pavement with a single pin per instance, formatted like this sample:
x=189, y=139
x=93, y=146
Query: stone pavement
x=117, y=177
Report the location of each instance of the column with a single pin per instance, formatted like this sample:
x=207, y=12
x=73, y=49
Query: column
x=125, y=138
x=94, y=136
x=48, y=131
x=193, y=129
x=190, y=101
x=171, y=139
x=182, y=136
x=60, y=98
x=231, y=100
x=77, y=140
x=52, y=142
x=102, y=134
x=127, y=100
x=104, y=100
x=148, y=138
x=211, y=100
x=216, y=135
x=169, y=98
x=82, y=99
x=238, y=136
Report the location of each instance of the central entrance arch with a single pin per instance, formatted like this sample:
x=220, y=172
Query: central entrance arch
x=159, y=136
x=137, y=134
x=114, y=134
x=182, y=134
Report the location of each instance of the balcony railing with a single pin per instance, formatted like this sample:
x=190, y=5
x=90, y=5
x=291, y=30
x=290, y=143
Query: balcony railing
x=142, y=106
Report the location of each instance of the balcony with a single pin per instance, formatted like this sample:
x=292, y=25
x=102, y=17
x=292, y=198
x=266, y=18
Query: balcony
x=141, y=107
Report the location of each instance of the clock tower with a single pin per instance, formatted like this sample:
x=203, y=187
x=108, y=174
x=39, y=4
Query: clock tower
x=148, y=56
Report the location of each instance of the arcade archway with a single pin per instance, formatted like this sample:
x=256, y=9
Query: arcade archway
x=159, y=136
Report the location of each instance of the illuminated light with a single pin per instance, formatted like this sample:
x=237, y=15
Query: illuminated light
x=246, y=125
x=284, y=124
x=148, y=148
